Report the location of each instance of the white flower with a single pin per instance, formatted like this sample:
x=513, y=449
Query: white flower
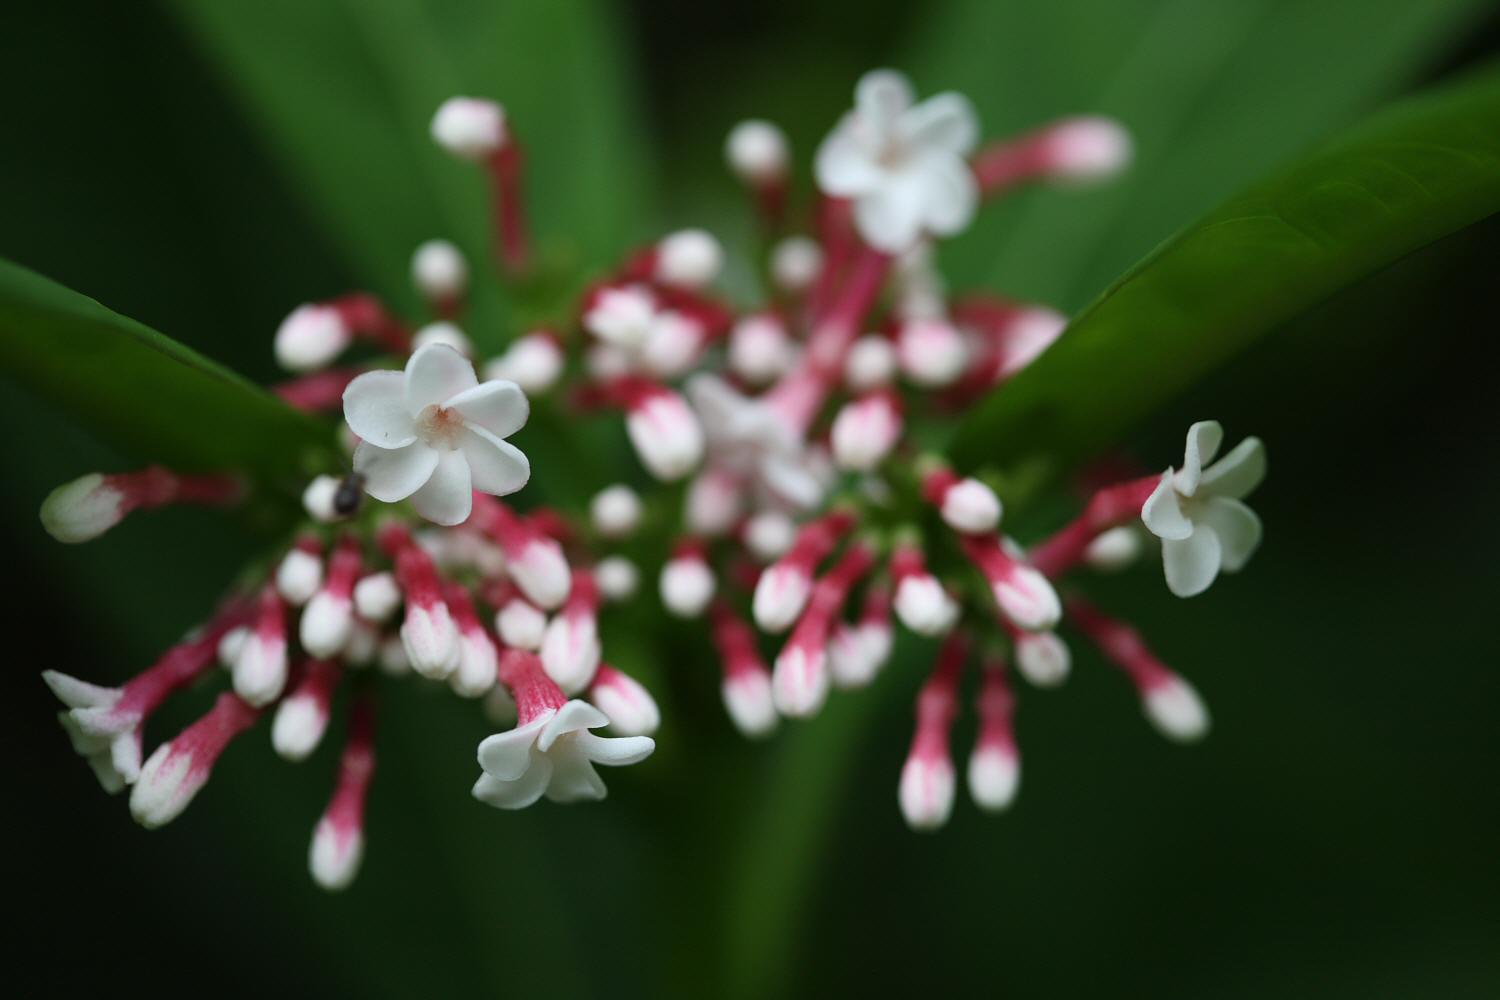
x=747, y=437
x=439, y=270
x=553, y=755
x=434, y=433
x=902, y=164
x=1198, y=513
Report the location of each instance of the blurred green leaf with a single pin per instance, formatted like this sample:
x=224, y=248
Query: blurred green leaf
x=345, y=92
x=1216, y=93
x=1425, y=169
x=141, y=391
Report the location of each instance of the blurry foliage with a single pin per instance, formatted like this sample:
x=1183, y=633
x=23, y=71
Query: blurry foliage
x=241, y=157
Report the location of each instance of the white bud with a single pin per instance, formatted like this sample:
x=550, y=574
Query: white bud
x=864, y=432
x=310, y=338
x=317, y=499
x=971, y=507
x=690, y=258
x=672, y=344
x=477, y=664
x=1043, y=658
x=521, y=624
x=1114, y=549
x=376, y=597
x=924, y=606
x=769, y=534
x=167, y=783
x=926, y=792
x=443, y=332
x=994, y=777
x=747, y=698
x=82, y=510
x=713, y=503
x=617, y=578
x=533, y=362
x=1027, y=598
x=687, y=585
x=757, y=152
x=260, y=669
x=780, y=595
x=1176, y=710
x=469, y=127
x=795, y=263
x=621, y=316
x=299, y=576
x=335, y=855
x=439, y=270
x=799, y=682
x=759, y=348
x=616, y=511
x=298, y=727
x=666, y=436
x=631, y=709
x=570, y=651
x=326, y=624
x=1088, y=148
x=871, y=363
x=230, y=645
x=542, y=573
x=931, y=352
x=430, y=640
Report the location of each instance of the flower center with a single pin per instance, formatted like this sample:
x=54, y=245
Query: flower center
x=439, y=427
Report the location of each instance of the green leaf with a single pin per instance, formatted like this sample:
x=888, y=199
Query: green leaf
x=1216, y=92
x=345, y=91
x=1425, y=169
x=140, y=391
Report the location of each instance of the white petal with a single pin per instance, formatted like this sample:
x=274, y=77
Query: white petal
x=952, y=195
x=1191, y=563
x=435, y=374
x=846, y=165
x=375, y=407
x=881, y=96
x=1238, y=472
x=498, y=406
x=393, y=474
x=507, y=755
x=1237, y=527
x=574, y=778
x=571, y=718
x=614, y=751
x=945, y=122
x=1203, y=440
x=497, y=467
x=448, y=496
x=517, y=794
x=890, y=217
x=1162, y=512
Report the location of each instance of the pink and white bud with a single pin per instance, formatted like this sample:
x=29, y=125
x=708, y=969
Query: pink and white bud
x=770, y=535
x=715, y=499
x=339, y=840
x=665, y=434
x=689, y=258
x=921, y=603
x=520, y=624
x=478, y=659
x=1114, y=549
x=179, y=769
x=428, y=633
x=1087, y=149
x=687, y=583
x=376, y=597
x=870, y=364
x=302, y=716
x=617, y=577
x=631, y=709
x=621, y=316
x=570, y=645
x=469, y=127
x=795, y=263
x=1042, y=657
x=673, y=344
x=931, y=352
x=300, y=572
x=747, y=684
x=966, y=505
x=784, y=588
x=260, y=670
x=616, y=511
x=927, y=778
x=328, y=618
x=995, y=765
x=439, y=271
x=757, y=152
x=443, y=332
x=230, y=645
x=800, y=678
x=1023, y=595
x=90, y=505
x=533, y=362
x=318, y=497
x=760, y=348
x=865, y=431
x=311, y=337
x=1175, y=709
x=535, y=562
x=857, y=651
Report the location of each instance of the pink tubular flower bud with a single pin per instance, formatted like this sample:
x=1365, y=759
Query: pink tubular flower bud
x=570, y=645
x=477, y=657
x=90, y=505
x=535, y=562
x=520, y=624
x=858, y=650
x=1109, y=508
x=921, y=602
x=866, y=430
x=662, y=428
x=427, y=633
x=631, y=709
x=1074, y=149
x=715, y=500
x=1041, y=657
x=995, y=765
x=931, y=352
x=300, y=572
x=302, y=716
x=1170, y=702
x=927, y=778
x=329, y=617
x=1022, y=594
x=747, y=683
x=966, y=505
x=799, y=680
x=784, y=587
x=179, y=769
x=376, y=597
x=339, y=839
x=260, y=669
x=687, y=582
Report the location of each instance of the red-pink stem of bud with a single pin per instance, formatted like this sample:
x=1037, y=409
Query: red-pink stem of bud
x=367, y=317
x=182, y=664
x=1119, y=643
x=937, y=703
x=1108, y=508
x=997, y=706
x=735, y=641
x=534, y=692
x=512, y=236
x=1009, y=163
x=828, y=596
x=320, y=392
x=346, y=810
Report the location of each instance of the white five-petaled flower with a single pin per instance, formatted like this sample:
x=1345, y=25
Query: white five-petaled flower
x=434, y=433
x=1198, y=513
x=553, y=755
x=901, y=163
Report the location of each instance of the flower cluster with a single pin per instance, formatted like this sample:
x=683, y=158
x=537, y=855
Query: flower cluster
x=810, y=520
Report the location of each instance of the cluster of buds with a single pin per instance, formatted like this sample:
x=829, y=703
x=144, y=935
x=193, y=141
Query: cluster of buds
x=807, y=521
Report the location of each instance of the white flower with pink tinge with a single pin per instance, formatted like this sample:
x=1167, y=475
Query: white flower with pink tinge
x=551, y=751
x=1199, y=514
x=902, y=164
x=434, y=433
x=747, y=437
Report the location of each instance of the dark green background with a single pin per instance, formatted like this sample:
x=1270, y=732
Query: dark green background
x=1336, y=836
